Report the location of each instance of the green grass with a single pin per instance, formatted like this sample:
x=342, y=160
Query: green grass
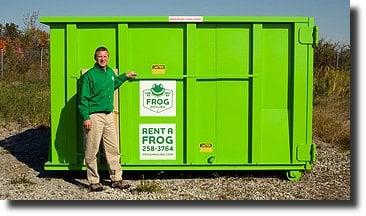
x=22, y=179
x=25, y=103
x=148, y=186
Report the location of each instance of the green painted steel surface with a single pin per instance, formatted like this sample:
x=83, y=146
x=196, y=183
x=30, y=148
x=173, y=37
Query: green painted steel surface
x=229, y=93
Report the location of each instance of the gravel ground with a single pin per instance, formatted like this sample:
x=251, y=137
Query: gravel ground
x=24, y=150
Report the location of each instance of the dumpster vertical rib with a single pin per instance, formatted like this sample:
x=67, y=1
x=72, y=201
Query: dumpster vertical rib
x=122, y=63
x=215, y=110
x=58, y=91
x=250, y=97
x=71, y=93
x=189, y=68
x=257, y=93
x=190, y=91
x=290, y=89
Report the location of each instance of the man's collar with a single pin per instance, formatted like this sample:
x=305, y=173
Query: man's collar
x=99, y=68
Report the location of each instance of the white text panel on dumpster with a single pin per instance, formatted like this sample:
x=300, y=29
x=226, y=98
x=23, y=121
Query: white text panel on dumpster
x=157, y=142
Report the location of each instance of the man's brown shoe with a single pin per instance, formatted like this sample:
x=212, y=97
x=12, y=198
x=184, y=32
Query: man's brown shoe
x=96, y=187
x=120, y=184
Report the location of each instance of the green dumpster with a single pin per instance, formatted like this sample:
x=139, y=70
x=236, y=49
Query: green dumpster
x=213, y=92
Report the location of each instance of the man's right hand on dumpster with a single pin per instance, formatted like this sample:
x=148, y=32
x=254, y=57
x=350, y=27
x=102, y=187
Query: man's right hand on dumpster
x=131, y=75
x=87, y=124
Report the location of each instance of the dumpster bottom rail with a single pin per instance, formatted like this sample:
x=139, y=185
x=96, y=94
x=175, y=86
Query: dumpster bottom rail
x=188, y=167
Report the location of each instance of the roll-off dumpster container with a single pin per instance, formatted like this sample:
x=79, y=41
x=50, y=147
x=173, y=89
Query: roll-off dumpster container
x=213, y=93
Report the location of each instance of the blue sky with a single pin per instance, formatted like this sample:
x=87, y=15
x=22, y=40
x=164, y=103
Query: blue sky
x=332, y=16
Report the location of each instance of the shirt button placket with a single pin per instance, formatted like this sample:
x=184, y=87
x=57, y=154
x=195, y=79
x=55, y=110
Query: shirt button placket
x=108, y=86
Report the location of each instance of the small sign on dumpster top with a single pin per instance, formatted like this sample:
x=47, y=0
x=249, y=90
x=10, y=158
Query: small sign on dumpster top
x=185, y=18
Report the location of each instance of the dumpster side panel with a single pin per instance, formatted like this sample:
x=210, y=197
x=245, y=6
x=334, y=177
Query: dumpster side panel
x=151, y=44
x=233, y=56
x=201, y=95
x=221, y=94
x=152, y=118
x=276, y=103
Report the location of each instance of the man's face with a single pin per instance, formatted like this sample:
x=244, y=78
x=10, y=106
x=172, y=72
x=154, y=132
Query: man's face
x=102, y=58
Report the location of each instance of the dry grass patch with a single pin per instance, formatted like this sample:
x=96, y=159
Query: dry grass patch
x=331, y=120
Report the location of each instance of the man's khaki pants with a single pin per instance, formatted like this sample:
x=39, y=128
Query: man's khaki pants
x=102, y=129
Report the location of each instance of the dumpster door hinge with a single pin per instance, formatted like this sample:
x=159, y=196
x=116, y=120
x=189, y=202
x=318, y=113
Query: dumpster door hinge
x=306, y=153
x=308, y=35
x=303, y=152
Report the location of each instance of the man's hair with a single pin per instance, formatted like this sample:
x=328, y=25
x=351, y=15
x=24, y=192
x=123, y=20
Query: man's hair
x=98, y=50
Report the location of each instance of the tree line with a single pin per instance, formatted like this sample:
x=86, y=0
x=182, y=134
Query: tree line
x=332, y=55
x=25, y=53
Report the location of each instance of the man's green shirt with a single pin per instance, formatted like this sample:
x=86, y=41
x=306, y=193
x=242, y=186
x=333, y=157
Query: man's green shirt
x=97, y=90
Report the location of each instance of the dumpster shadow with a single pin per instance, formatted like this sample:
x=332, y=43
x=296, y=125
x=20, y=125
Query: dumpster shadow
x=205, y=174
x=74, y=177
x=67, y=135
x=29, y=147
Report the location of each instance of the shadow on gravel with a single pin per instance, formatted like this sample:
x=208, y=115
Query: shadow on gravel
x=151, y=175
x=29, y=147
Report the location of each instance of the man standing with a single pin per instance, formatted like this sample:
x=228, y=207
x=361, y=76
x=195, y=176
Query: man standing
x=96, y=108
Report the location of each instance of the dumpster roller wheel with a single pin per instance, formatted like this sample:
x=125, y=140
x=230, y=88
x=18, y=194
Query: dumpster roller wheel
x=293, y=175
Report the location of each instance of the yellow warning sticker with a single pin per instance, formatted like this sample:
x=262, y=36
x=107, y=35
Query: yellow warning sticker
x=206, y=147
x=158, y=69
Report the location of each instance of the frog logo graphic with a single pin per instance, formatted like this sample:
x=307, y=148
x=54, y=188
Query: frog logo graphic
x=157, y=90
x=157, y=98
